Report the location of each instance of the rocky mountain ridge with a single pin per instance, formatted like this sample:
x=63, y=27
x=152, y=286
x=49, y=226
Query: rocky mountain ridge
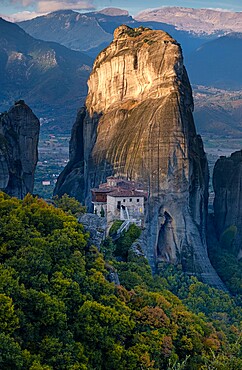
x=91, y=32
x=81, y=32
x=84, y=32
x=198, y=21
x=138, y=124
x=218, y=113
x=114, y=12
x=19, y=136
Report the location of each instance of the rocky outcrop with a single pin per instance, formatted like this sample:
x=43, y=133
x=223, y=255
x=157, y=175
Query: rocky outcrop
x=95, y=226
x=19, y=135
x=227, y=183
x=138, y=124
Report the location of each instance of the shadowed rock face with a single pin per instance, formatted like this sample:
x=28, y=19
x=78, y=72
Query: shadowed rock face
x=227, y=182
x=19, y=135
x=138, y=124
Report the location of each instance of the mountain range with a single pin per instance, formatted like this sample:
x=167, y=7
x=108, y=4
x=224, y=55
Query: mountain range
x=91, y=32
x=47, y=75
x=71, y=29
x=197, y=21
x=218, y=63
x=211, y=60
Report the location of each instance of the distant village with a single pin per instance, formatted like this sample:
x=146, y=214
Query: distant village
x=53, y=157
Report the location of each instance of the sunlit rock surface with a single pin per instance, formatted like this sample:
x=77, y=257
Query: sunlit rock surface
x=138, y=124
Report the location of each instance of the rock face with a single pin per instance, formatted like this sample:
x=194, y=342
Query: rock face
x=227, y=182
x=95, y=226
x=138, y=124
x=19, y=135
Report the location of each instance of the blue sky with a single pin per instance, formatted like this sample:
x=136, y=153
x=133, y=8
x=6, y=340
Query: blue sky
x=30, y=8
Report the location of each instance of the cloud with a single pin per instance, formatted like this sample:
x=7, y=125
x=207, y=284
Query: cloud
x=44, y=6
x=23, y=3
x=52, y=5
x=7, y=18
x=220, y=9
x=23, y=16
x=32, y=8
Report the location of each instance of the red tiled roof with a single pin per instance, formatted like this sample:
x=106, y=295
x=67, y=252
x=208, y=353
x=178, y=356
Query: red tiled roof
x=127, y=193
x=124, y=188
x=102, y=190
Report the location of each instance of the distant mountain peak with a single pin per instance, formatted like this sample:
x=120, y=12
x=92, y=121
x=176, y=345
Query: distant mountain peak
x=45, y=74
x=114, y=12
x=61, y=12
x=197, y=21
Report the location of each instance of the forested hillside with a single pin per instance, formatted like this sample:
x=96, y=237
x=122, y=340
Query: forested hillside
x=59, y=310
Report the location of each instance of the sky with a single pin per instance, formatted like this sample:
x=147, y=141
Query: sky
x=25, y=9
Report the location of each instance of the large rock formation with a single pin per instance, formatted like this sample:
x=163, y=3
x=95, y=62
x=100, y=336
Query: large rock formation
x=227, y=182
x=19, y=135
x=138, y=124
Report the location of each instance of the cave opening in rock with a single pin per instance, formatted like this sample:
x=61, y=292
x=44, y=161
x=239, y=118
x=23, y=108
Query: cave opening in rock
x=165, y=236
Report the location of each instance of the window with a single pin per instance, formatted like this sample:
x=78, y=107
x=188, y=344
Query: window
x=137, y=200
x=119, y=205
x=130, y=199
x=124, y=200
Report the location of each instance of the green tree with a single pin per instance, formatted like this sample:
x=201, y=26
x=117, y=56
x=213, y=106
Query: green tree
x=9, y=321
x=59, y=311
x=69, y=205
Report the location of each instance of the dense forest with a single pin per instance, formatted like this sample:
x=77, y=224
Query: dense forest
x=60, y=309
